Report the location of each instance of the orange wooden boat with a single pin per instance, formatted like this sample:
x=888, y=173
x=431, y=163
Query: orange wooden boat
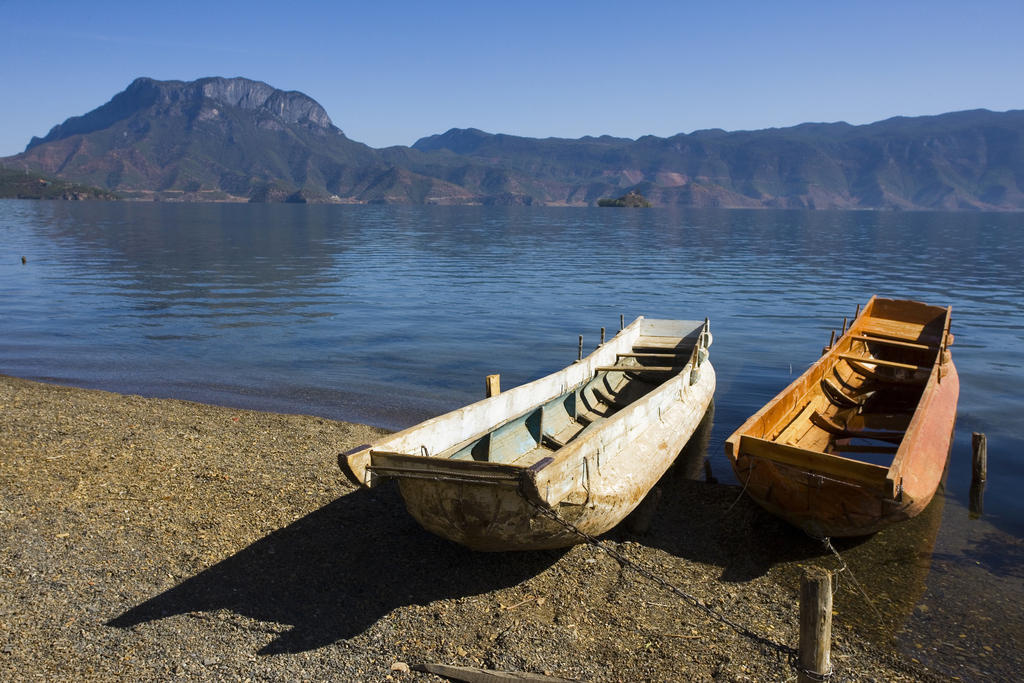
x=861, y=439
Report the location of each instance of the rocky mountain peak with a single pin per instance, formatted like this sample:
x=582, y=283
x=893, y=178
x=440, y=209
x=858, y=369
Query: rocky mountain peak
x=145, y=93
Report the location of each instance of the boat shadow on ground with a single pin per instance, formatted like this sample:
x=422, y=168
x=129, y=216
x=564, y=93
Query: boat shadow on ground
x=335, y=572
x=720, y=526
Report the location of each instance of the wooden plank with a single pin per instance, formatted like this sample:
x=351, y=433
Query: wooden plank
x=493, y=385
x=800, y=420
x=877, y=378
x=657, y=327
x=888, y=422
x=387, y=464
x=831, y=427
x=812, y=438
x=885, y=363
x=813, y=461
x=638, y=368
x=468, y=674
x=666, y=355
x=894, y=342
x=658, y=343
x=893, y=328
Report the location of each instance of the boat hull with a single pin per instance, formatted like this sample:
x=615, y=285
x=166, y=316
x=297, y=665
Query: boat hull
x=828, y=495
x=492, y=517
x=586, y=443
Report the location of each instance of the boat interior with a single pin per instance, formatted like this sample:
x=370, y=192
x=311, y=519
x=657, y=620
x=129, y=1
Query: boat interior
x=528, y=438
x=859, y=403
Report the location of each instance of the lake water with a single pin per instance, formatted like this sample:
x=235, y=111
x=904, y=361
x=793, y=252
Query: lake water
x=389, y=315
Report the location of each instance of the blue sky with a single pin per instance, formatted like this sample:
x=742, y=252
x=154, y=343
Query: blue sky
x=389, y=73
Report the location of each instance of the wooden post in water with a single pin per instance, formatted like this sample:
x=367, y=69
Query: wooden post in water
x=815, y=625
x=622, y=322
x=602, y=336
x=980, y=460
x=493, y=385
x=979, y=471
x=579, y=356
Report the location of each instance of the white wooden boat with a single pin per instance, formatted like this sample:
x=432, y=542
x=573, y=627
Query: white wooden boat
x=588, y=442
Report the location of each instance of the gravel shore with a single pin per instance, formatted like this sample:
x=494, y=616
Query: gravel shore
x=150, y=539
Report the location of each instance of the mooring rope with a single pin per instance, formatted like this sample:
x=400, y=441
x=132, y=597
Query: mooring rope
x=845, y=569
x=789, y=652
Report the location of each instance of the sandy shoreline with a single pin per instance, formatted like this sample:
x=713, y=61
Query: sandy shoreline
x=152, y=539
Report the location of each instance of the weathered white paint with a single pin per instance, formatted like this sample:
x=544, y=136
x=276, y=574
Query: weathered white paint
x=594, y=481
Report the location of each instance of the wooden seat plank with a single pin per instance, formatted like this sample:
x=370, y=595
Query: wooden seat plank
x=893, y=328
x=894, y=342
x=813, y=461
x=639, y=368
x=831, y=427
x=662, y=343
x=885, y=363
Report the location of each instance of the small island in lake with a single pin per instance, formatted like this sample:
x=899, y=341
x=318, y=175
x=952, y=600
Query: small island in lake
x=632, y=199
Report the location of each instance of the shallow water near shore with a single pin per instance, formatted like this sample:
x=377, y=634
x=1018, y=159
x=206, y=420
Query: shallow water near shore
x=388, y=315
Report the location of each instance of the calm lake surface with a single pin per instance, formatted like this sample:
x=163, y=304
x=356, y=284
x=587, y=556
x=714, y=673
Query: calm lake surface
x=388, y=315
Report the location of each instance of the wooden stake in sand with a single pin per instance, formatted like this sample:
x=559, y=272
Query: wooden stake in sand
x=815, y=625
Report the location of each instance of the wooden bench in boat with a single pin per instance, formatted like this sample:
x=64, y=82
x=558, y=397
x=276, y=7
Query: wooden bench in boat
x=822, y=422
x=858, y=366
x=472, y=471
x=892, y=329
x=885, y=341
x=885, y=363
x=663, y=345
x=813, y=461
x=640, y=368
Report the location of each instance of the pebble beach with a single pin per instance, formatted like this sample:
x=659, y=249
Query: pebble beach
x=155, y=539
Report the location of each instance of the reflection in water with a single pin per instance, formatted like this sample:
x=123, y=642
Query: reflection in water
x=886, y=573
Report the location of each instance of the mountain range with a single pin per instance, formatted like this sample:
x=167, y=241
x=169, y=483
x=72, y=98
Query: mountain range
x=238, y=139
